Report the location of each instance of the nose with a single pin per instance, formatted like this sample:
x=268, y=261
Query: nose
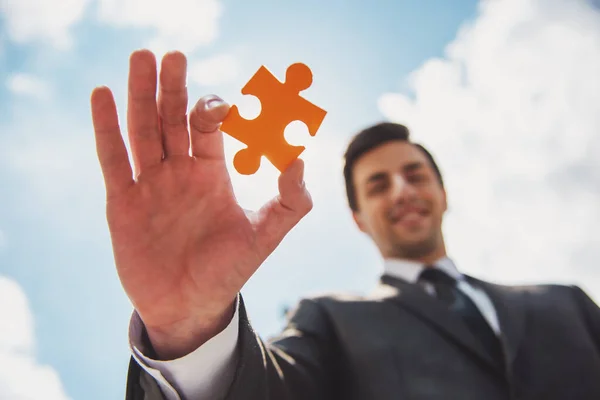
x=401, y=190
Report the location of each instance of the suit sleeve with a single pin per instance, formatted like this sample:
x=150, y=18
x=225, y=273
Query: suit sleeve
x=302, y=362
x=591, y=314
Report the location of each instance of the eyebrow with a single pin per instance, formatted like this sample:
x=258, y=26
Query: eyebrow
x=410, y=167
x=378, y=176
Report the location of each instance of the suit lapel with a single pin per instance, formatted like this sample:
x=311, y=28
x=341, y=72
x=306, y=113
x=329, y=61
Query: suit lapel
x=511, y=307
x=414, y=299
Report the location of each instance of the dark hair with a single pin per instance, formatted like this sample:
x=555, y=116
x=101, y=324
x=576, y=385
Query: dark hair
x=369, y=138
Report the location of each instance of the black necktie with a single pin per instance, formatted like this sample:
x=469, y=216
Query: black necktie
x=447, y=291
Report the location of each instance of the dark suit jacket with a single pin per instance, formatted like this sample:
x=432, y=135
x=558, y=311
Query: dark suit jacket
x=400, y=343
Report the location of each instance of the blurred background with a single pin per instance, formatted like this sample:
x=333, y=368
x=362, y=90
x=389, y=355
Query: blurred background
x=505, y=93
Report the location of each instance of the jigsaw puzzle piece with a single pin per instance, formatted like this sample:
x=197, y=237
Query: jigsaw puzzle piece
x=246, y=161
x=274, y=148
x=281, y=104
x=283, y=99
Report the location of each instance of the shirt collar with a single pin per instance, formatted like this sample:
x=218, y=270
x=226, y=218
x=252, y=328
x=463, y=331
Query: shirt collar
x=409, y=270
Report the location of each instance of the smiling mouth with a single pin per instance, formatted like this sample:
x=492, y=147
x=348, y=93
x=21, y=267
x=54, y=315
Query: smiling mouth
x=410, y=216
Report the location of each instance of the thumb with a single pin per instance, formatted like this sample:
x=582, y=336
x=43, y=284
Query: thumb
x=276, y=218
x=205, y=118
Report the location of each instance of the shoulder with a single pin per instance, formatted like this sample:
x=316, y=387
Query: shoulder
x=317, y=314
x=327, y=303
x=542, y=293
x=536, y=289
x=332, y=299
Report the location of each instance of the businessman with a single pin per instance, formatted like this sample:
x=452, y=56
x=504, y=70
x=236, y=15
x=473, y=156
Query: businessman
x=184, y=249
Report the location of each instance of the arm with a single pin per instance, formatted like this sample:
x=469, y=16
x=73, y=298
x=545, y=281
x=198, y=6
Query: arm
x=205, y=373
x=300, y=363
x=182, y=244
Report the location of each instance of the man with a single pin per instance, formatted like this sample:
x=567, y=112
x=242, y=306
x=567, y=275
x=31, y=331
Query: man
x=184, y=249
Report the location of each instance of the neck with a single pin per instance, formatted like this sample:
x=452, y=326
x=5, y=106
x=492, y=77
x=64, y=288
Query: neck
x=423, y=257
x=432, y=257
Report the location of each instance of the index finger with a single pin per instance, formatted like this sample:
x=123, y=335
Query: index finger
x=110, y=146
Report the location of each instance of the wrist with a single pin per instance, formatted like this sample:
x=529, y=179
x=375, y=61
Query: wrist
x=179, y=340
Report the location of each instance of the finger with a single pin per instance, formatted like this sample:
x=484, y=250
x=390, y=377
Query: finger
x=172, y=104
x=281, y=214
x=110, y=146
x=142, y=114
x=205, y=118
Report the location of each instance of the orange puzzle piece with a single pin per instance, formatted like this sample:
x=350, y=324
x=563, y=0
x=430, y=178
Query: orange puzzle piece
x=281, y=104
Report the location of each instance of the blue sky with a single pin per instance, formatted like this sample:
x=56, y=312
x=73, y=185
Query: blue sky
x=504, y=93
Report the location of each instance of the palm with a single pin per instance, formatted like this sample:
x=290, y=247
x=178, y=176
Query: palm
x=183, y=246
x=164, y=228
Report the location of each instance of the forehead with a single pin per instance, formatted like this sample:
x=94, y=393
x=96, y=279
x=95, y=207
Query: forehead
x=388, y=157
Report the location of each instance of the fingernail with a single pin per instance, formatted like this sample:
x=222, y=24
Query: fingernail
x=214, y=103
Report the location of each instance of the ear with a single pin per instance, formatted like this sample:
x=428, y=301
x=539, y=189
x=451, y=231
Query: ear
x=445, y=199
x=356, y=215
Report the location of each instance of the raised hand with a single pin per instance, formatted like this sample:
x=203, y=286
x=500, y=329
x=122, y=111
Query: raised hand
x=183, y=247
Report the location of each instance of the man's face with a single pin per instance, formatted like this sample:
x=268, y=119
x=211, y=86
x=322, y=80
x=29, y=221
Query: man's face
x=400, y=201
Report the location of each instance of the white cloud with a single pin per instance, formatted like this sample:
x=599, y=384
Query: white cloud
x=29, y=85
x=21, y=376
x=512, y=115
x=216, y=70
x=40, y=20
x=181, y=24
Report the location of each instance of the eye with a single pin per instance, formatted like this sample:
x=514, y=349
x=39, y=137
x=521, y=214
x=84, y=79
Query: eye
x=377, y=187
x=417, y=178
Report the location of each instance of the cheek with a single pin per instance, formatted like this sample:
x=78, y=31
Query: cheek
x=376, y=215
x=440, y=206
x=434, y=199
x=437, y=213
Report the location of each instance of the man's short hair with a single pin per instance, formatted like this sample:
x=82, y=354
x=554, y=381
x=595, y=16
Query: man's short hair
x=368, y=139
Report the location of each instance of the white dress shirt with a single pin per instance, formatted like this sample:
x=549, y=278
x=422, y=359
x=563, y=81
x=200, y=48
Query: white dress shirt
x=207, y=372
x=410, y=271
x=204, y=374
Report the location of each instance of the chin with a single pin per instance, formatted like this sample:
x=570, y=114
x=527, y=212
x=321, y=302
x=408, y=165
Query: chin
x=416, y=245
x=414, y=233
x=417, y=251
